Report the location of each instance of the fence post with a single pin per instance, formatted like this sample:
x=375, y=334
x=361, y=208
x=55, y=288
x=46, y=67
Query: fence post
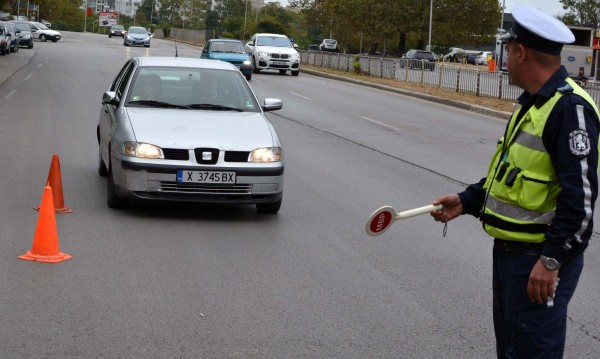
x=478, y=83
x=458, y=80
x=500, y=85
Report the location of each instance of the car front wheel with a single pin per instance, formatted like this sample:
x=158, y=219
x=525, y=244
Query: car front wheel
x=43, y=38
x=295, y=73
x=112, y=199
x=255, y=68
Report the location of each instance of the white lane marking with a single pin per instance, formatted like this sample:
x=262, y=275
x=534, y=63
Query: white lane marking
x=380, y=123
x=28, y=77
x=10, y=93
x=304, y=97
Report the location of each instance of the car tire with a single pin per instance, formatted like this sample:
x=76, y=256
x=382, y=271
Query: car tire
x=102, y=170
x=54, y=40
x=146, y=45
x=269, y=208
x=255, y=68
x=282, y=72
x=43, y=38
x=112, y=199
x=295, y=73
x=248, y=77
x=30, y=46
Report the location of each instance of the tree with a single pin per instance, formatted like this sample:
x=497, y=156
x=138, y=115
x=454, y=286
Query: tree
x=581, y=12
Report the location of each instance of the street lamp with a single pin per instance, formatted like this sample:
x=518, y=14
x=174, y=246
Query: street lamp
x=430, y=17
x=245, y=16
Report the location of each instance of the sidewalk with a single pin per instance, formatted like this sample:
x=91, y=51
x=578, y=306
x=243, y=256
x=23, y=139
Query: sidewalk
x=9, y=64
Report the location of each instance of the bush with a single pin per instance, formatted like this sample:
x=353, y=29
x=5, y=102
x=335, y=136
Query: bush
x=356, y=64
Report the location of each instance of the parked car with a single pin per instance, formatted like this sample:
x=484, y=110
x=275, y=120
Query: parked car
x=472, y=57
x=329, y=45
x=231, y=51
x=4, y=40
x=313, y=47
x=43, y=33
x=455, y=55
x=188, y=130
x=117, y=30
x=25, y=34
x=273, y=52
x=10, y=27
x=418, y=59
x=4, y=16
x=483, y=58
x=137, y=36
x=46, y=23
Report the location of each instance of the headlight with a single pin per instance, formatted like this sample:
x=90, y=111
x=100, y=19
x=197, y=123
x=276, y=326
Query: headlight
x=295, y=56
x=142, y=150
x=26, y=36
x=247, y=62
x=263, y=53
x=269, y=154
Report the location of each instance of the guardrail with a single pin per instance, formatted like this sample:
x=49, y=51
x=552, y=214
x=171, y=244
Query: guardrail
x=447, y=76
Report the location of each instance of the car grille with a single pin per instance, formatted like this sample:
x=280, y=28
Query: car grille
x=184, y=155
x=280, y=56
x=176, y=154
x=198, y=188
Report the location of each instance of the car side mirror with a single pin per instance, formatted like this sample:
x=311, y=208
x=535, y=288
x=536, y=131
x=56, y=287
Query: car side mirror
x=110, y=98
x=295, y=46
x=272, y=104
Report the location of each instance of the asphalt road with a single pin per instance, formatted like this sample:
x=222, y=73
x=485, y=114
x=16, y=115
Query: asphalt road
x=183, y=281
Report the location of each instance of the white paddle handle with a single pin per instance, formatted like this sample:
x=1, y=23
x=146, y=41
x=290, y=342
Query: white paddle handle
x=418, y=211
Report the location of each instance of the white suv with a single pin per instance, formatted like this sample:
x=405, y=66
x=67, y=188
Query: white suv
x=273, y=52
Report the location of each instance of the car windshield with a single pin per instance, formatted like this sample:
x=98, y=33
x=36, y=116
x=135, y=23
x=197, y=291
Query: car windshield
x=137, y=30
x=117, y=27
x=191, y=88
x=330, y=42
x=41, y=26
x=22, y=27
x=276, y=41
x=227, y=46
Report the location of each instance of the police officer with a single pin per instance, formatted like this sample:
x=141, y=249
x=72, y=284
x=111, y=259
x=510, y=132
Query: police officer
x=537, y=200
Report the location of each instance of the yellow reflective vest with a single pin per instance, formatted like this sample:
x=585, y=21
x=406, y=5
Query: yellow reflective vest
x=521, y=184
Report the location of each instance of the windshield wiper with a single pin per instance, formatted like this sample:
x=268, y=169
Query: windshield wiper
x=153, y=103
x=210, y=106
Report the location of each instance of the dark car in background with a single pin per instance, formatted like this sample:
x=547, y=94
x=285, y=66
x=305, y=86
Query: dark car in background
x=472, y=57
x=25, y=35
x=10, y=27
x=418, y=59
x=117, y=30
x=231, y=51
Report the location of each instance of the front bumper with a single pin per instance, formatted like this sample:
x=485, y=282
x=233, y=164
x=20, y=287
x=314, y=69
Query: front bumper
x=142, y=179
x=270, y=63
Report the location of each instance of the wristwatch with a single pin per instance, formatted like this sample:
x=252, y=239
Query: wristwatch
x=551, y=264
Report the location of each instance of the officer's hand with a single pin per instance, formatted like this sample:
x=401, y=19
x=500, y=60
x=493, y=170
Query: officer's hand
x=541, y=283
x=452, y=208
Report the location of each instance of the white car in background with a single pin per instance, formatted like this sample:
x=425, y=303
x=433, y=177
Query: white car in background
x=43, y=33
x=273, y=52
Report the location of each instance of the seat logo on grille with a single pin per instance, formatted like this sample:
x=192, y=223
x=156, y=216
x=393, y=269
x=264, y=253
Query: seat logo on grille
x=206, y=156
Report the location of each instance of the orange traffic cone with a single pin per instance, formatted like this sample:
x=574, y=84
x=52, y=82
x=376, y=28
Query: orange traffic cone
x=45, y=241
x=55, y=181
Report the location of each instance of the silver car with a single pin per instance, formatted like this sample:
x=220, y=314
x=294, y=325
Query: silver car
x=190, y=130
x=137, y=36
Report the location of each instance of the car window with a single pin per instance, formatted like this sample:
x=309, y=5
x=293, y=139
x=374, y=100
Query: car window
x=22, y=26
x=194, y=88
x=227, y=46
x=122, y=86
x=276, y=41
x=113, y=86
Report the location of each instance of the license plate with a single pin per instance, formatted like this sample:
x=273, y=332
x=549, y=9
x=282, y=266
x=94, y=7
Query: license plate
x=185, y=176
x=279, y=63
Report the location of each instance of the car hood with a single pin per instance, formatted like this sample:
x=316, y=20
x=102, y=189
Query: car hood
x=50, y=32
x=172, y=128
x=227, y=56
x=276, y=50
x=138, y=36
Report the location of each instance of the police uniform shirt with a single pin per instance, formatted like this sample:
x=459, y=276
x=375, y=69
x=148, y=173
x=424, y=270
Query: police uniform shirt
x=575, y=202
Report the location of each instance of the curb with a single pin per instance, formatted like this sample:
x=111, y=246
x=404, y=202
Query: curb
x=457, y=104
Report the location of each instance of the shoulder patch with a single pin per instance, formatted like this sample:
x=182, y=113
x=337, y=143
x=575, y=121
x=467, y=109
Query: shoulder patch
x=579, y=143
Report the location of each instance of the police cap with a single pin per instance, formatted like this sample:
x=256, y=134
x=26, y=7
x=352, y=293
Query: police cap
x=538, y=30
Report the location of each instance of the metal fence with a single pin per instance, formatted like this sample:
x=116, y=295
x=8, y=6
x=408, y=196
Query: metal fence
x=446, y=76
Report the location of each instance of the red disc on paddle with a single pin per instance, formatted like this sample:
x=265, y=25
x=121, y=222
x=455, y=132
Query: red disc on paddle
x=380, y=220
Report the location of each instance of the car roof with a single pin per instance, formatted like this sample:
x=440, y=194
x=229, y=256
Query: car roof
x=160, y=61
x=223, y=40
x=268, y=34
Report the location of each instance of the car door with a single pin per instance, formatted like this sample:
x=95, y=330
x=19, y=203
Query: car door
x=108, y=114
x=205, y=50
